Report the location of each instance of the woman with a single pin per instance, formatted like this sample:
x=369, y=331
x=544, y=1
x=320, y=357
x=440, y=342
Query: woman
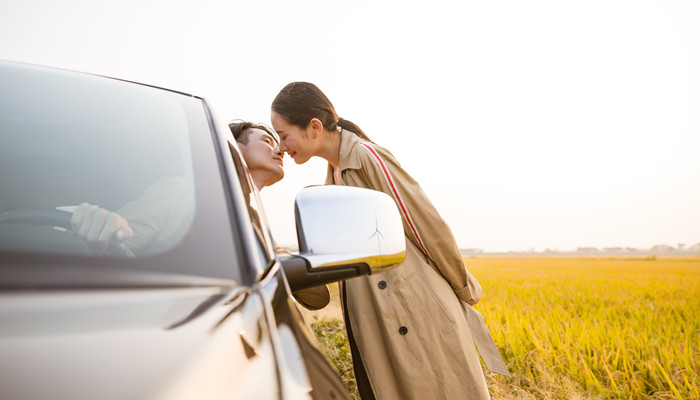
x=407, y=329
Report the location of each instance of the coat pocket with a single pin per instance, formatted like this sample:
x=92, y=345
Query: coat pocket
x=426, y=297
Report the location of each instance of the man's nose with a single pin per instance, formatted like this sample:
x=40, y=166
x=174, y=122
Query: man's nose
x=278, y=151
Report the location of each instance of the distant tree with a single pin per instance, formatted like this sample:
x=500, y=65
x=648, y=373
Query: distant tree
x=662, y=248
x=587, y=250
x=612, y=249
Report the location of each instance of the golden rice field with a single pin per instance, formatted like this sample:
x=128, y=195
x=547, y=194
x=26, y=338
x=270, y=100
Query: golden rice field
x=610, y=328
x=587, y=328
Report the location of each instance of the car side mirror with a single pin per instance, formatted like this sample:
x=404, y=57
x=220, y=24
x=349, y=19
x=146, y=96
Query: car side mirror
x=343, y=232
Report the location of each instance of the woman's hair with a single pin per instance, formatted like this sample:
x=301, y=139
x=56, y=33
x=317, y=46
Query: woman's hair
x=300, y=102
x=241, y=130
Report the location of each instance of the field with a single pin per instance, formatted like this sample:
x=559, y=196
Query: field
x=579, y=328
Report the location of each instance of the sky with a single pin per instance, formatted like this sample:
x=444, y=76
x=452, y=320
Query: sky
x=529, y=124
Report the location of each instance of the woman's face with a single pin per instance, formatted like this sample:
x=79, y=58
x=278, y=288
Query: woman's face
x=294, y=141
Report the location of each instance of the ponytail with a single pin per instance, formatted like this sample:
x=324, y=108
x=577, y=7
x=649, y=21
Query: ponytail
x=352, y=127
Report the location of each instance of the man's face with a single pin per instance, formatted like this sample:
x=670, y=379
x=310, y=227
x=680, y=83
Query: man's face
x=263, y=156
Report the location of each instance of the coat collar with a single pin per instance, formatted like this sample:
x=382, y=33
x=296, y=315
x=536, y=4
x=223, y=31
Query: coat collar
x=349, y=158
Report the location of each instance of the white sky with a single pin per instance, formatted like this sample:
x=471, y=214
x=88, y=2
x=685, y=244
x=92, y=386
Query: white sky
x=545, y=124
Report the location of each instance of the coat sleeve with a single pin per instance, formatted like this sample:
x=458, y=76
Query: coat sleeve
x=159, y=216
x=422, y=223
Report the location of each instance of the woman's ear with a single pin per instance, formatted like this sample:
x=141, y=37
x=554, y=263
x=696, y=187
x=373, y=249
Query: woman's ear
x=316, y=127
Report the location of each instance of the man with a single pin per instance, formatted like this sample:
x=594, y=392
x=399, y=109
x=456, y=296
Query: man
x=259, y=146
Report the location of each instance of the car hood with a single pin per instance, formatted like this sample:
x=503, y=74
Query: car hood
x=134, y=344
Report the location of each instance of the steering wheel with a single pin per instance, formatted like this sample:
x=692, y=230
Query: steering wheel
x=59, y=218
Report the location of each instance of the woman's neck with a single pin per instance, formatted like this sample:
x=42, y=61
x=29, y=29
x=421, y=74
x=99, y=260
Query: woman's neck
x=330, y=149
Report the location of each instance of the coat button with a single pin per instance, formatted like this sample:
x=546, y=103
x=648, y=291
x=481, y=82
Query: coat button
x=382, y=284
x=403, y=330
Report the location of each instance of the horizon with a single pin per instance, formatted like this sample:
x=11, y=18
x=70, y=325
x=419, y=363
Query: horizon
x=657, y=249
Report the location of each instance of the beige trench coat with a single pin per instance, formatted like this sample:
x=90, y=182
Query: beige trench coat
x=407, y=323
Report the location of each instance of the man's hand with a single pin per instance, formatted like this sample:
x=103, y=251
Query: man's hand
x=98, y=226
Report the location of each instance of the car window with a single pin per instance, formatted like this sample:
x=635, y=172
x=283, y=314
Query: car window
x=121, y=147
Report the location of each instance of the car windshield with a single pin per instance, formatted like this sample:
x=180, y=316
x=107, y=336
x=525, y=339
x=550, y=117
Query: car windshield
x=104, y=143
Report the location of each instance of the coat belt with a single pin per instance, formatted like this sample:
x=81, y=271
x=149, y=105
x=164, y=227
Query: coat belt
x=484, y=342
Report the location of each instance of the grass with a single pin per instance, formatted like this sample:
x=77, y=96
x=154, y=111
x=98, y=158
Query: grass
x=334, y=343
x=581, y=328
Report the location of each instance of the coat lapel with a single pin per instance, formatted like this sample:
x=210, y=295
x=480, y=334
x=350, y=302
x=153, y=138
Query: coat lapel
x=349, y=159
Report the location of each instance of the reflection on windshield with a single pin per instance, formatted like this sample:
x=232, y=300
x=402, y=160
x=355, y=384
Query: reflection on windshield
x=69, y=141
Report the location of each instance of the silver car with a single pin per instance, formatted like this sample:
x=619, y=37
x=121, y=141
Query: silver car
x=196, y=305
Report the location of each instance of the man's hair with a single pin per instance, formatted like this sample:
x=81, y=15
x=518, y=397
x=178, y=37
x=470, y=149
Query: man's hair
x=241, y=130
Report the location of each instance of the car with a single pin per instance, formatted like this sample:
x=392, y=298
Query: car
x=197, y=305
